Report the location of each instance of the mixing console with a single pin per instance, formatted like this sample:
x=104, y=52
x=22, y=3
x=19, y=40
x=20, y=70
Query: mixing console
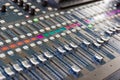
x=40, y=41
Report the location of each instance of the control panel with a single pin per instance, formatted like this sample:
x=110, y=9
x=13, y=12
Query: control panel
x=59, y=39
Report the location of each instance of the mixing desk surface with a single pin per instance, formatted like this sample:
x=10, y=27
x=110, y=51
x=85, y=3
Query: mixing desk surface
x=59, y=40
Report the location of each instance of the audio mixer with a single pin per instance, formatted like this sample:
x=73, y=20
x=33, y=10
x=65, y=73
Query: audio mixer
x=59, y=39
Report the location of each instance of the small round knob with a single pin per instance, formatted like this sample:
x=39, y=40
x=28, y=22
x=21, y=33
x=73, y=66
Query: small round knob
x=15, y=1
x=26, y=7
x=20, y=3
x=44, y=3
x=32, y=12
x=3, y=8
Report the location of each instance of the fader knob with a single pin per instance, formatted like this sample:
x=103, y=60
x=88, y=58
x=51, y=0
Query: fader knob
x=3, y=8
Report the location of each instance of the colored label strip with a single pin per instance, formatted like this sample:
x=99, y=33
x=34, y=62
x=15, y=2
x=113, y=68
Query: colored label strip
x=51, y=33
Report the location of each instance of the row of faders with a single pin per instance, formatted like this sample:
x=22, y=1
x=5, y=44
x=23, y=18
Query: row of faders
x=64, y=45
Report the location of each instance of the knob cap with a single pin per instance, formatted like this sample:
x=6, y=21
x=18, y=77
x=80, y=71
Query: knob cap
x=15, y=1
x=3, y=8
x=20, y=3
x=26, y=7
x=44, y=3
x=32, y=12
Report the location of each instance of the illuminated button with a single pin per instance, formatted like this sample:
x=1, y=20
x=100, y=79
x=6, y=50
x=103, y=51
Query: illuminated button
x=47, y=28
x=17, y=67
x=36, y=20
x=41, y=18
x=12, y=46
x=3, y=28
x=2, y=55
x=29, y=21
x=1, y=43
x=78, y=28
x=62, y=12
x=23, y=23
x=7, y=4
x=63, y=34
x=20, y=14
x=68, y=31
x=37, y=9
x=25, y=47
x=17, y=24
x=74, y=20
x=40, y=36
x=64, y=23
x=50, y=8
x=83, y=27
x=8, y=41
x=33, y=6
x=4, y=48
x=52, y=15
x=58, y=25
x=16, y=10
x=22, y=36
x=19, y=43
x=2, y=21
x=10, y=26
x=42, y=30
x=68, y=11
x=90, y=26
x=46, y=35
x=9, y=71
x=39, y=42
x=15, y=39
x=32, y=44
x=53, y=27
x=45, y=40
x=18, y=49
x=10, y=53
x=29, y=34
x=29, y=3
x=57, y=36
x=35, y=32
x=11, y=7
x=69, y=22
x=26, y=64
x=51, y=38
x=73, y=30
x=71, y=9
x=47, y=17
x=57, y=14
